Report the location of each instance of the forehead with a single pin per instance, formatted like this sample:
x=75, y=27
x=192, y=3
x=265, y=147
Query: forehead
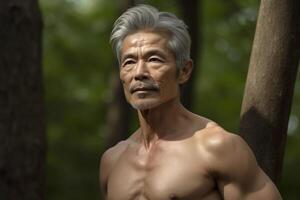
x=145, y=39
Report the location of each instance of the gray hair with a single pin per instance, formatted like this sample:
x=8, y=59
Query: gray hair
x=147, y=17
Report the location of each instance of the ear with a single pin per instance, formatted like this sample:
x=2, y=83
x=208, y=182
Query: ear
x=185, y=72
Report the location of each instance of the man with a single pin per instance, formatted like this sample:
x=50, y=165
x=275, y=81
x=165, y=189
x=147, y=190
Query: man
x=175, y=154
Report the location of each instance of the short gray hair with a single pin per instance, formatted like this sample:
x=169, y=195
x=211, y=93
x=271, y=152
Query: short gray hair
x=147, y=17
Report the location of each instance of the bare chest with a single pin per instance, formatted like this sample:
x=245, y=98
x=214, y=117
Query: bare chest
x=164, y=175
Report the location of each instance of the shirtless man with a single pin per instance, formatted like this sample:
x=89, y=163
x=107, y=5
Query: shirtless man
x=175, y=154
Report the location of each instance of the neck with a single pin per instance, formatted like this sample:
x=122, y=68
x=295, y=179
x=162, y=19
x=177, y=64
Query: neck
x=161, y=121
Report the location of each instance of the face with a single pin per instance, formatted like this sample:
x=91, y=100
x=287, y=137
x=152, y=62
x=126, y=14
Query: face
x=148, y=70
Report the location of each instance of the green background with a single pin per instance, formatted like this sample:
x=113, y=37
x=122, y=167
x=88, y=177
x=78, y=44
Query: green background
x=78, y=66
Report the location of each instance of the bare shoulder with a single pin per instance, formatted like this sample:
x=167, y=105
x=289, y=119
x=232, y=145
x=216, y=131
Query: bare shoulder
x=225, y=151
x=215, y=138
x=108, y=160
x=111, y=155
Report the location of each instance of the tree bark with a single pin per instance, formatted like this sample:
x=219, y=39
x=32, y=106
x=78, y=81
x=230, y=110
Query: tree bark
x=191, y=16
x=270, y=83
x=22, y=127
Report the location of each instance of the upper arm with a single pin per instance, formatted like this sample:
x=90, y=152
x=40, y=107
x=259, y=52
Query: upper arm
x=259, y=187
x=237, y=172
x=248, y=183
x=107, y=162
x=105, y=165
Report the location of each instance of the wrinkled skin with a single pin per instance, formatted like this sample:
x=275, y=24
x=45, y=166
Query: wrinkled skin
x=175, y=154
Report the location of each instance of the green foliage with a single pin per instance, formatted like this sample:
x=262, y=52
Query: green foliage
x=228, y=33
x=77, y=68
x=78, y=65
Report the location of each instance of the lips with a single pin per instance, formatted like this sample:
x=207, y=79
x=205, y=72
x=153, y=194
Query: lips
x=143, y=89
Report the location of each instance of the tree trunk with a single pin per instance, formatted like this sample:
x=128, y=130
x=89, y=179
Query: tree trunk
x=119, y=114
x=191, y=16
x=119, y=111
x=270, y=83
x=22, y=130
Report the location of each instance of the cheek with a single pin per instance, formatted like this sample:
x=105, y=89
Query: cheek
x=121, y=76
x=124, y=78
x=167, y=80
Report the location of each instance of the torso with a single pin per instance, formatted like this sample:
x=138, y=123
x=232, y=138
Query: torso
x=169, y=170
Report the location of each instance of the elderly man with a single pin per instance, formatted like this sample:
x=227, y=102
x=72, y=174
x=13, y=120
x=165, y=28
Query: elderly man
x=174, y=154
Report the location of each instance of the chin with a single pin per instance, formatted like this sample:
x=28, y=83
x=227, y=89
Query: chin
x=145, y=105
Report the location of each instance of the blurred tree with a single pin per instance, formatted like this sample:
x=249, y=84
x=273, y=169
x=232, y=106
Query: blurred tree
x=270, y=83
x=78, y=69
x=22, y=131
x=119, y=111
x=192, y=16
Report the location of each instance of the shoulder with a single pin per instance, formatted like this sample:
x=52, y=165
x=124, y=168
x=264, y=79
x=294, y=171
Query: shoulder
x=224, y=150
x=111, y=155
x=108, y=160
x=213, y=138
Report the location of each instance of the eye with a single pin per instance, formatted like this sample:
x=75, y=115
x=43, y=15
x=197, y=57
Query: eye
x=128, y=62
x=155, y=59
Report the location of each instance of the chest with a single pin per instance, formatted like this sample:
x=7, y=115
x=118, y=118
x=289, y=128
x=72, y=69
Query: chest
x=165, y=175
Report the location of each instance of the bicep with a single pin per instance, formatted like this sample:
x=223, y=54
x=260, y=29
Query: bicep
x=243, y=178
x=262, y=188
x=258, y=187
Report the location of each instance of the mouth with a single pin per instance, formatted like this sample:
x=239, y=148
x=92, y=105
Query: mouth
x=143, y=89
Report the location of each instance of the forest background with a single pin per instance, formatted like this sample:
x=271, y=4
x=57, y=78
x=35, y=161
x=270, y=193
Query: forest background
x=79, y=72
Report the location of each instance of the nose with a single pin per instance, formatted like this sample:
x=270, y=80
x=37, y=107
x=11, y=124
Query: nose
x=141, y=72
